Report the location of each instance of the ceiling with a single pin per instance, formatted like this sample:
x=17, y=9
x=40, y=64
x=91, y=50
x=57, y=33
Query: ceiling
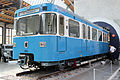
x=70, y=4
x=7, y=9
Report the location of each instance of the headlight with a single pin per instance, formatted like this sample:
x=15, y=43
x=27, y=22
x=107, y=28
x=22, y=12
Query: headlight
x=14, y=44
x=26, y=44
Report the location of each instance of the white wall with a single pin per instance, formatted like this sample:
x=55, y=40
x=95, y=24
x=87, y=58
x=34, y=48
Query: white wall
x=100, y=10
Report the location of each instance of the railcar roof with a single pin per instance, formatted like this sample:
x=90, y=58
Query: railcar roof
x=55, y=8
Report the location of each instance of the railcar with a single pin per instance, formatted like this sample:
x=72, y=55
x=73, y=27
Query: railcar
x=48, y=35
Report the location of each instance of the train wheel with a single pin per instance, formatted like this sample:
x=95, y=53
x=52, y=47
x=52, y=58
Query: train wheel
x=61, y=67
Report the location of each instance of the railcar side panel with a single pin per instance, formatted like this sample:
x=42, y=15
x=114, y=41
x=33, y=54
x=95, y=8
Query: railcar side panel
x=71, y=48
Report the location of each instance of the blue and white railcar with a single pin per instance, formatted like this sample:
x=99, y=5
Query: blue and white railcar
x=50, y=35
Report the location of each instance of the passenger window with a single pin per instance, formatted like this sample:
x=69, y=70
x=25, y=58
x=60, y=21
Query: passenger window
x=104, y=37
x=88, y=32
x=73, y=28
x=107, y=38
x=61, y=25
x=83, y=31
x=94, y=34
x=99, y=35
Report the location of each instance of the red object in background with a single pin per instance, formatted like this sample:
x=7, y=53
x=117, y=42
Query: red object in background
x=113, y=35
x=74, y=64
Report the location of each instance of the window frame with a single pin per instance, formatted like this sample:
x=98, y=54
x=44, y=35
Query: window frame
x=88, y=36
x=18, y=19
x=103, y=37
x=96, y=34
x=106, y=37
x=56, y=23
x=83, y=31
x=69, y=28
x=63, y=25
x=101, y=34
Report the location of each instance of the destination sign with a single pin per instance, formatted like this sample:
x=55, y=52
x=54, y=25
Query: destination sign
x=29, y=11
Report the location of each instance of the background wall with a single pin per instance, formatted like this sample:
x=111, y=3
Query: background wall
x=95, y=10
x=105, y=13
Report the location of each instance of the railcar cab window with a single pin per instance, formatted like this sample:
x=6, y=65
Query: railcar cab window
x=94, y=34
x=73, y=28
x=27, y=25
x=48, y=23
x=61, y=25
x=99, y=36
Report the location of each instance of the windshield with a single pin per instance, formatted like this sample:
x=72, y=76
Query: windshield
x=28, y=25
x=48, y=23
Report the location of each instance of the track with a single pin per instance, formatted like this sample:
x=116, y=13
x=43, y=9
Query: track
x=49, y=75
x=44, y=74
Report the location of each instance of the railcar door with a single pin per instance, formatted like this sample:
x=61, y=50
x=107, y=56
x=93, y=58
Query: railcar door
x=88, y=47
x=62, y=41
x=83, y=35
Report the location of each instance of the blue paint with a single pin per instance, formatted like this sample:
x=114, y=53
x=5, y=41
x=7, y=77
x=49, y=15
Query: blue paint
x=71, y=48
x=58, y=47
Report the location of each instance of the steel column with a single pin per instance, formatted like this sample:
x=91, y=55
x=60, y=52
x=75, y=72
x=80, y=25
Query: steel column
x=4, y=34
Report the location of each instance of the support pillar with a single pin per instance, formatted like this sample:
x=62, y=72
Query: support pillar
x=11, y=37
x=8, y=36
x=4, y=34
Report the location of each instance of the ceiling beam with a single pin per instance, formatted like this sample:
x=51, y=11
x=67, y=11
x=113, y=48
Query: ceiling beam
x=70, y=4
x=8, y=8
x=7, y=11
x=6, y=16
x=5, y=20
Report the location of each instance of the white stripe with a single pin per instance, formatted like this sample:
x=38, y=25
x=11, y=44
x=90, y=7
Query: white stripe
x=114, y=74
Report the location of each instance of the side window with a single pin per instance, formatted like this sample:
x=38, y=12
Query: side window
x=94, y=34
x=73, y=28
x=88, y=32
x=107, y=38
x=61, y=25
x=99, y=36
x=83, y=31
x=104, y=37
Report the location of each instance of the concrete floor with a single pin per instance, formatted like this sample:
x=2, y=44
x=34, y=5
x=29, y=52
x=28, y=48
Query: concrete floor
x=102, y=72
x=10, y=68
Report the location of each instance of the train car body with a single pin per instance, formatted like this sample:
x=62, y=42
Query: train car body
x=50, y=35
